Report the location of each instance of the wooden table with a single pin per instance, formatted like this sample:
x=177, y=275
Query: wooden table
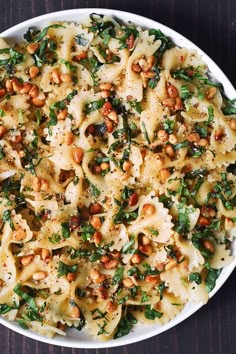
x=211, y=24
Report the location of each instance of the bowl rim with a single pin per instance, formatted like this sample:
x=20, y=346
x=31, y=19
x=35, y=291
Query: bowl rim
x=11, y=33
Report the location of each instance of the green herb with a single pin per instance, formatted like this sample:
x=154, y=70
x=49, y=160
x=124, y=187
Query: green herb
x=161, y=288
x=153, y=82
x=211, y=278
x=136, y=105
x=153, y=231
x=2, y=153
x=168, y=126
x=65, y=228
x=94, y=106
x=230, y=107
x=144, y=297
x=76, y=181
x=102, y=328
x=95, y=192
x=195, y=277
x=4, y=308
x=183, y=224
x=185, y=93
x=181, y=145
x=22, y=324
x=65, y=269
x=33, y=312
x=118, y=276
x=127, y=248
x=166, y=43
x=145, y=133
x=122, y=300
x=69, y=65
x=202, y=131
x=14, y=59
x=151, y=314
x=6, y=217
x=115, y=145
x=100, y=314
x=2, y=113
x=81, y=40
x=125, y=325
x=87, y=232
x=55, y=238
x=127, y=32
x=43, y=33
x=185, y=74
x=210, y=115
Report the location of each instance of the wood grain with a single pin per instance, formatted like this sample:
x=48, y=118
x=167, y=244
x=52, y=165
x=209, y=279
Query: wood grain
x=211, y=24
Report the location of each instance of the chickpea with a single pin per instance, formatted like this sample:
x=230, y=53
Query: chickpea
x=163, y=135
x=69, y=138
x=65, y=78
x=170, y=265
x=62, y=114
x=33, y=71
x=105, y=86
x=31, y=48
x=173, y=139
x=3, y=131
x=169, y=150
x=19, y=234
x=71, y=277
x=145, y=240
x=164, y=174
x=95, y=209
x=193, y=137
x=172, y=91
x=232, y=124
x=96, y=222
x=104, y=166
x=55, y=76
x=26, y=260
x=149, y=209
x=39, y=275
x=94, y=274
x=136, y=258
x=128, y=282
x=147, y=249
x=77, y=154
x=209, y=246
x=152, y=279
x=75, y=312
x=111, y=306
x=97, y=237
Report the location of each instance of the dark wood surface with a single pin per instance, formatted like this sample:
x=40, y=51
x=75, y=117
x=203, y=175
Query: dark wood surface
x=211, y=24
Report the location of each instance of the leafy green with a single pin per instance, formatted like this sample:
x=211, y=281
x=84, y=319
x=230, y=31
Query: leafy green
x=195, y=277
x=181, y=145
x=95, y=191
x=230, y=107
x=33, y=312
x=6, y=217
x=4, y=308
x=43, y=33
x=64, y=268
x=210, y=115
x=161, y=288
x=2, y=153
x=185, y=93
x=15, y=58
x=136, y=105
x=81, y=40
x=102, y=328
x=69, y=65
x=166, y=43
x=94, y=106
x=118, y=276
x=65, y=228
x=144, y=297
x=55, y=238
x=87, y=232
x=145, y=133
x=127, y=248
x=211, y=278
x=125, y=325
x=151, y=314
x=168, y=126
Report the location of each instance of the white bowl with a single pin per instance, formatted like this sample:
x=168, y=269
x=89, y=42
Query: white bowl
x=75, y=339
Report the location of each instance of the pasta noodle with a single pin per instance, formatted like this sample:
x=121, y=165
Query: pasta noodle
x=117, y=178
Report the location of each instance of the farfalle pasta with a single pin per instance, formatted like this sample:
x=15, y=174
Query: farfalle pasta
x=117, y=178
